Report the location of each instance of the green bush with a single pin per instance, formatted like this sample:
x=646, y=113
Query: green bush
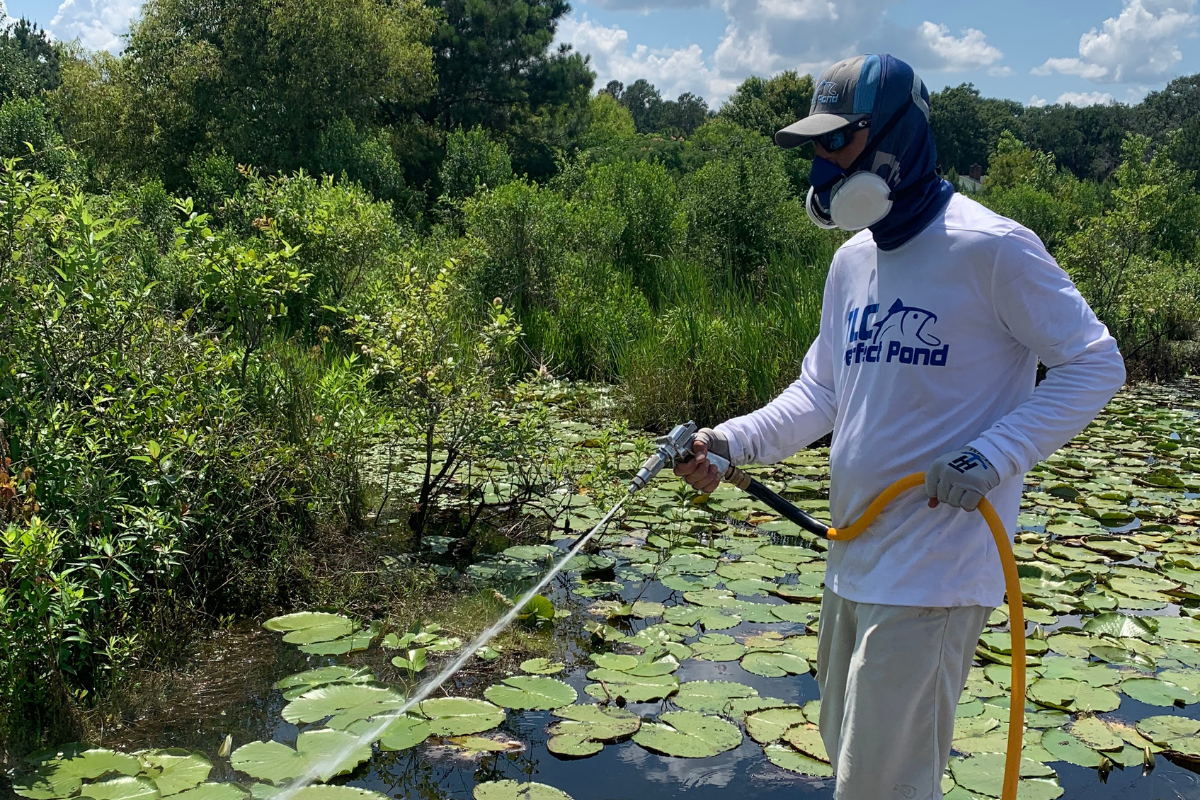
x=367, y=159
x=646, y=204
x=27, y=133
x=473, y=162
x=740, y=206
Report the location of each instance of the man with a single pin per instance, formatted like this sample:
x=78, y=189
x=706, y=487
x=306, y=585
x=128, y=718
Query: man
x=934, y=318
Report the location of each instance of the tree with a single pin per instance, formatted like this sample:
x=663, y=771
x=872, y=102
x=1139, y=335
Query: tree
x=29, y=61
x=967, y=127
x=495, y=68
x=644, y=104
x=262, y=80
x=608, y=122
x=767, y=104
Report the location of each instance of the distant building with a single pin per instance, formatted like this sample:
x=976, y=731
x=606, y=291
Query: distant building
x=972, y=182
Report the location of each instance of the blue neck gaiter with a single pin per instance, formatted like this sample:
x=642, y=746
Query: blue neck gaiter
x=905, y=157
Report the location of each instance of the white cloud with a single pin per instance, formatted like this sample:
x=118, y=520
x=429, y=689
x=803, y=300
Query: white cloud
x=671, y=70
x=1085, y=99
x=1142, y=42
x=1037, y=102
x=764, y=37
x=1000, y=72
x=97, y=24
x=968, y=51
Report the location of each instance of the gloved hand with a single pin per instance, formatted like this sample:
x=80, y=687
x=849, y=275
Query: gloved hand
x=960, y=479
x=700, y=474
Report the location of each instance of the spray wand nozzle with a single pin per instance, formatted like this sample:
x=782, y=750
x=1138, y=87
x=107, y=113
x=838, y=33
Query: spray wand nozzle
x=675, y=447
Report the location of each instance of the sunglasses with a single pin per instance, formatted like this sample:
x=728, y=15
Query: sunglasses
x=836, y=140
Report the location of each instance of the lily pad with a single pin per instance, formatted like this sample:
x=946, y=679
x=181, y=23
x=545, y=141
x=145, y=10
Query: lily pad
x=309, y=627
x=295, y=685
x=401, y=733
x=611, y=684
x=325, y=752
x=460, y=716
x=121, y=787
x=807, y=739
x=1065, y=747
x=175, y=770
x=1157, y=692
x=61, y=772
x=214, y=791
x=586, y=729
x=688, y=734
x=769, y=725
x=542, y=666
x=774, y=665
x=718, y=647
x=621, y=663
x=786, y=757
x=531, y=692
x=345, y=703
x=511, y=790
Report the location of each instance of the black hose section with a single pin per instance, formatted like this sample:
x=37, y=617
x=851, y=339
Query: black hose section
x=788, y=510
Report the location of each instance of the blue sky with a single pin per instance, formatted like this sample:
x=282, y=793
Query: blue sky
x=1079, y=51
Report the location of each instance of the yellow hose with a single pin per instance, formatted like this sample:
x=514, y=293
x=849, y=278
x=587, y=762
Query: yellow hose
x=1016, y=613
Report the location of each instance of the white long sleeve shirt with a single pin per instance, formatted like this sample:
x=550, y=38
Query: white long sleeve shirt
x=922, y=350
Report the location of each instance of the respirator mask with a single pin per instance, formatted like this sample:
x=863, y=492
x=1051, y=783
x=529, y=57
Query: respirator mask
x=856, y=198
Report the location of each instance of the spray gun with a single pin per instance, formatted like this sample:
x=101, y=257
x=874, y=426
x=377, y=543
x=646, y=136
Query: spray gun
x=676, y=448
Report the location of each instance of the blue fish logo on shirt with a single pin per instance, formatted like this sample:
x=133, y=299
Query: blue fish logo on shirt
x=904, y=336
x=907, y=323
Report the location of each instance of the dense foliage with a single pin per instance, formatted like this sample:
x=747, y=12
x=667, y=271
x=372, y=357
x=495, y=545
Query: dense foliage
x=271, y=245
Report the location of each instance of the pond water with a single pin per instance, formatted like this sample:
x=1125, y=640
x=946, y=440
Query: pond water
x=712, y=602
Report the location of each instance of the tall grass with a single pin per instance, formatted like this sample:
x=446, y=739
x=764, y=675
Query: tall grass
x=720, y=349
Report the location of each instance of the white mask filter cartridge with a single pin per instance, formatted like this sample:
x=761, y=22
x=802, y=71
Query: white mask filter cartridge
x=861, y=201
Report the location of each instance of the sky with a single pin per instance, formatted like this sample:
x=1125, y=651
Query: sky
x=1033, y=51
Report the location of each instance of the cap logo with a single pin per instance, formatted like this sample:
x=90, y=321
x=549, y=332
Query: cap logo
x=826, y=93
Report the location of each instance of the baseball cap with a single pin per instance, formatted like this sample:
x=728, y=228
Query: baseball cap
x=844, y=94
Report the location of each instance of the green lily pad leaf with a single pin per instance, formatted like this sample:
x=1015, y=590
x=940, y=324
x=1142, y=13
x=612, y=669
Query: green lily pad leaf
x=786, y=757
x=535, y=552
x=61, y=771
x=1093, y=732
x=970, y=727
x=621, y=663
x=531, y=692
x=717, y=647
x=1119, y=625
x=587, y=728
x=295, y=685
x=262, y=791
x=711, y=619
x=807, y=739
x=769, y=725
x=1065, y=747
x=359, y=640
x=330, y=752
x=511, y=790
x=712, y=697
x=983, y=774
x=175, y=770
x=1076, y=695
x=800, y=613
x=687, y=734
x=748, y=570
x=786, y=554
x=487, y=653
x=1187, y=678
x=1156, y=692
x=215, y=791
x=344, y=702
x=750, y=587
x=1071, y=644
x=309, y=627
x=401, y=732
x=611, y=684
x=460, y=716
x=121, y=787
x=1178, y=734
x=774, y=665
x=574, y=743
x=1179, y=629
x=542, y=666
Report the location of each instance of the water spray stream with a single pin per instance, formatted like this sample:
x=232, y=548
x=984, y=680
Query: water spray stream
x=454, y=666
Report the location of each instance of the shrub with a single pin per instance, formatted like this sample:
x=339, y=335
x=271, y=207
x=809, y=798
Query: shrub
x=366, y=158
x=27, y=133
x=646, y=203
x=473, y=161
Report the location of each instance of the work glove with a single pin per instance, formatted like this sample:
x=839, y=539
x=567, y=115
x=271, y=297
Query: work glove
x=699, y=473
x=960, y=479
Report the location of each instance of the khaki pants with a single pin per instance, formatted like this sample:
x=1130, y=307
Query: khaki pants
x=890, y=680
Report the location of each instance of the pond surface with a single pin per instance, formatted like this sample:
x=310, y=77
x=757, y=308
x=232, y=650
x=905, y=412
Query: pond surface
x=715, y=597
